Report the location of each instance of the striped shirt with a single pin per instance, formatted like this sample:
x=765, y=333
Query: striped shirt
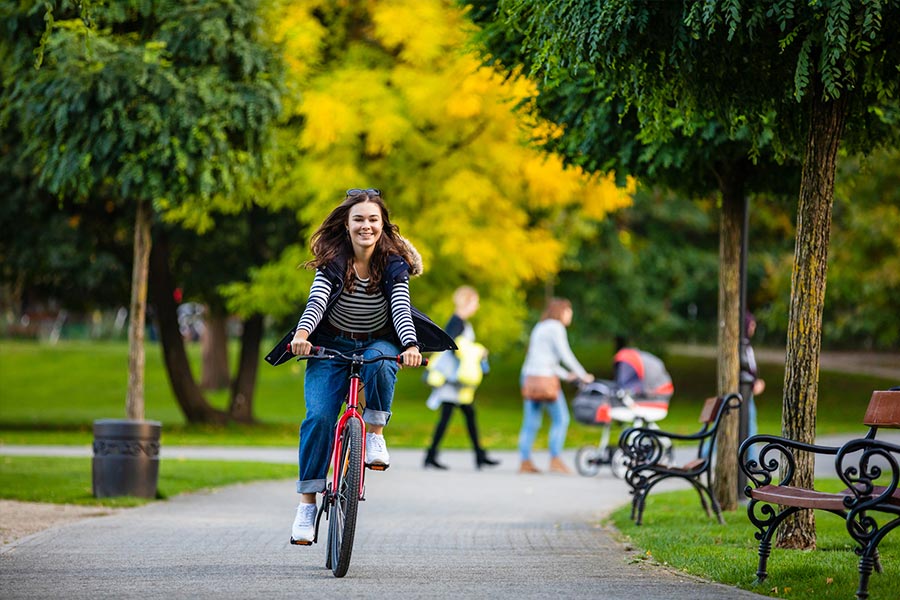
x=359, y=311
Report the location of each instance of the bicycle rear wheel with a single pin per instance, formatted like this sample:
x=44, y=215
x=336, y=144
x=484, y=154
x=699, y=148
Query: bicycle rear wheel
x=345, y=502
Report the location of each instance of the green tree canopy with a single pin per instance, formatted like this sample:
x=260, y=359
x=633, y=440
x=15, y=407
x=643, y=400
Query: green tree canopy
x=159, y=106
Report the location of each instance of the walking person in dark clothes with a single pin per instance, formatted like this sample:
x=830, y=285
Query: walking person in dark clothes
x=459, y=373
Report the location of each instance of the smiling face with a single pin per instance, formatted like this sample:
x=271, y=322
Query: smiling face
x=364, y=225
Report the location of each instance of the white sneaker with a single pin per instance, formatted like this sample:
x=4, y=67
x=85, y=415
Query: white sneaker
x=304, y=529
x=376, y=451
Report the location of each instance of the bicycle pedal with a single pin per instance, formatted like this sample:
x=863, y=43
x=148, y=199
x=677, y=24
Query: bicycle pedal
x=377, y=466
x=301, y=542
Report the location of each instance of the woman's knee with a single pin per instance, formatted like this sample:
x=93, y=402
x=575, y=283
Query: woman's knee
x=531, y=425
x=386, y=371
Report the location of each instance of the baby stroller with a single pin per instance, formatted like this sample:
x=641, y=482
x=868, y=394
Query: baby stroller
x=638, y=397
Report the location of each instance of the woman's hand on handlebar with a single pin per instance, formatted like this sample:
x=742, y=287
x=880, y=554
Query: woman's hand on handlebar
x=299, y=345
x=411, y=357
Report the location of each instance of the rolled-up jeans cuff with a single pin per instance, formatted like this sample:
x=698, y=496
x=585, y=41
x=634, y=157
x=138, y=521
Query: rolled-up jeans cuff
x=378, y=418
x=311, y=486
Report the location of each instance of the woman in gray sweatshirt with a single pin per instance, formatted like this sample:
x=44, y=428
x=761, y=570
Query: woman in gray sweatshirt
x=549, y=354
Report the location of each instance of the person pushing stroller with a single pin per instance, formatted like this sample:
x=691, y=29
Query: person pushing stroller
x=639, y=396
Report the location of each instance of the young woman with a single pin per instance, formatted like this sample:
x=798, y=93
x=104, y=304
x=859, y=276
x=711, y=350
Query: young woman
x=359, y=301
x=549, y=354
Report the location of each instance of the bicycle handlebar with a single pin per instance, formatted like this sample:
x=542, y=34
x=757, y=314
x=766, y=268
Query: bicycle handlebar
x=322, y=353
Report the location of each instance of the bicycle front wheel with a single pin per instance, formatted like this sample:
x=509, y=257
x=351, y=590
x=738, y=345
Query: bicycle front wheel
x=345, y=502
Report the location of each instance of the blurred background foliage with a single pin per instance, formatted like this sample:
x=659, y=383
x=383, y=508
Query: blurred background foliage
x=386, y=94
x=652, y=275
x=391, y=95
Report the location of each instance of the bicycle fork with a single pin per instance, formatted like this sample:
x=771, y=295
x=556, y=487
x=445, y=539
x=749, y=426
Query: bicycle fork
x=352, y=412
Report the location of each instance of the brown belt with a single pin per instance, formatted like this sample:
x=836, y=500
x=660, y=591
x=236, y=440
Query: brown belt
x=360, y=336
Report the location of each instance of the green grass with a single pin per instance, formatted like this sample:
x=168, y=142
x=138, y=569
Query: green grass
x=677, y=533
x=51, y=394
x=68, y=480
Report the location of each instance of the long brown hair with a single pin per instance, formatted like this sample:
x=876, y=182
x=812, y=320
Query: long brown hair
x=555, y=308
x=331, y=241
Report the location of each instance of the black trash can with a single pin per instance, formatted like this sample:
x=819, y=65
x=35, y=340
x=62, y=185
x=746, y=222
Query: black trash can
x=126, y=458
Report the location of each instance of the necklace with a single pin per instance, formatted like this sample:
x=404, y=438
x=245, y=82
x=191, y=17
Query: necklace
x=357, y=272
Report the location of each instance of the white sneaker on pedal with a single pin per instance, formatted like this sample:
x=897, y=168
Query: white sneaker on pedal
x=376, y=450
x=304, y=529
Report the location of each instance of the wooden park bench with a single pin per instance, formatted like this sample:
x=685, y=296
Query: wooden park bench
x=649, y=457
x=867, y=466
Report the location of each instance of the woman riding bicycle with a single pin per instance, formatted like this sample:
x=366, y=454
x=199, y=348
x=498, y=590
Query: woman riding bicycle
x=359, y=301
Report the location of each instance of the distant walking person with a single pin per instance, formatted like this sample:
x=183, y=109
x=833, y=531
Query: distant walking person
x=549, y=358
x=750, y=376
x=456, y=375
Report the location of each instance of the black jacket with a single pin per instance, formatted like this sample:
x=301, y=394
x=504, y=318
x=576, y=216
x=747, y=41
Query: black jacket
x=429, y=336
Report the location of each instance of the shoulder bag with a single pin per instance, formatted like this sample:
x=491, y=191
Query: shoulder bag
x=541, y=388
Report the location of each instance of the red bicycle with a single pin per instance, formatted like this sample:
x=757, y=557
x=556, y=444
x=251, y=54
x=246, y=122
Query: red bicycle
x=347, y=485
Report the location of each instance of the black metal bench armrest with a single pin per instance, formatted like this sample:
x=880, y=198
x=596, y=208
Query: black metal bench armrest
x=665, y=434
x=870, y=469
x=646, y=446
x=642, y=446
x=776, y=452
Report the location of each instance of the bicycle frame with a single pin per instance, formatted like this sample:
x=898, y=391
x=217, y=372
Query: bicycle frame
x=351, y=412
x=355, y=362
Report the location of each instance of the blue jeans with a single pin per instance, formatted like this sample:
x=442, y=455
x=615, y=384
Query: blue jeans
x=533, y=415
x=325, y=388
x=752, y=427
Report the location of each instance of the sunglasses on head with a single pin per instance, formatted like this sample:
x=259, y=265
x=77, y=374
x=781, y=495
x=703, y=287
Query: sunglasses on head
x=370, y=192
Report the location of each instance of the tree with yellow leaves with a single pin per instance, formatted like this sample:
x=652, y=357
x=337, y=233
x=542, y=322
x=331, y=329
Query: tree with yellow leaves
x=388, y=95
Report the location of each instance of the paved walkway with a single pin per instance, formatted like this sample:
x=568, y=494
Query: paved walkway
x=880, y=364
x=422, y=534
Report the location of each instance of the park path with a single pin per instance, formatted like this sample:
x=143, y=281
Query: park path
x=422, y=534
x=880, y=364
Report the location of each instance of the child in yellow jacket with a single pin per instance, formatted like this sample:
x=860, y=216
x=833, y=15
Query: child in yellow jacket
x=456, y=375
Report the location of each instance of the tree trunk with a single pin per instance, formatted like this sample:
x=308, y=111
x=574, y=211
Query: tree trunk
x=214, y=341
x=241, y=408
x=134, y=400
x=804, y=335
x=189, y=396
x=244, y=384
x=728, y=364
